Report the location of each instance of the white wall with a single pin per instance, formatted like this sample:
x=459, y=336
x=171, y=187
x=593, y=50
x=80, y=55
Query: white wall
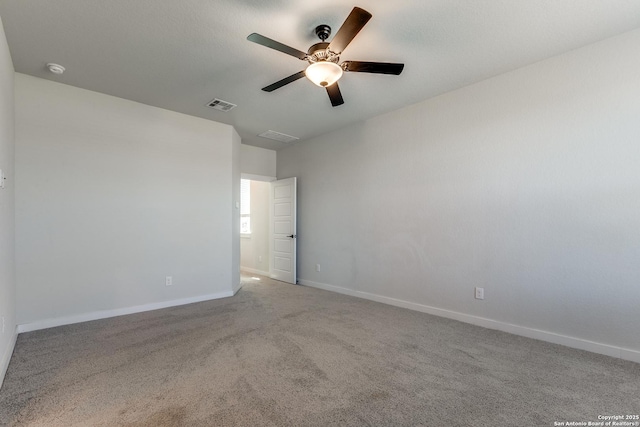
x=255, y=247
x=235, y=209
x=257, y=163
x=526, y=184
x=111, y=197
x=7, y=272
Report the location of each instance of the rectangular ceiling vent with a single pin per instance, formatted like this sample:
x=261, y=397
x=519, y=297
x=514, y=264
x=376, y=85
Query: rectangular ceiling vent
x=219, y=104
x=277, y=136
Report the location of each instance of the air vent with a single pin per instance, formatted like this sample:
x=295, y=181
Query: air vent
x=219, y=104
x=277, y=136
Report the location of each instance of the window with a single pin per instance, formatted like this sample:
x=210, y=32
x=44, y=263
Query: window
x=245, y=206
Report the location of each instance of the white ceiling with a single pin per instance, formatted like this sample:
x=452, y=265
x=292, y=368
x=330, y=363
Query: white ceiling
x=179, y=55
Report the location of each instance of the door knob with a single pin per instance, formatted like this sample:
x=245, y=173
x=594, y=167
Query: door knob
x=292, y=236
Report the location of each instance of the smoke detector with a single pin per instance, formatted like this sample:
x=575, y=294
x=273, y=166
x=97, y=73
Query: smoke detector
x=55, y=68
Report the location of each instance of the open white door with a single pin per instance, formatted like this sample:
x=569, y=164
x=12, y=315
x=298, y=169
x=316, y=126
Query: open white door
x=282, y=230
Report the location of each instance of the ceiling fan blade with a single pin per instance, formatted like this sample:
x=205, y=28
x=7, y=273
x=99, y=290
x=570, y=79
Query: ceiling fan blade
x=265, y=41
x=351, y=26
x=285, y=81
x=373, y=67
x=334, y=95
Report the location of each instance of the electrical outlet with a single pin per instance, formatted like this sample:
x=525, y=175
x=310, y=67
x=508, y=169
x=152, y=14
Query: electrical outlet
x=169, y=281
x=479, y=293
x=260, y=258
x=317, y=267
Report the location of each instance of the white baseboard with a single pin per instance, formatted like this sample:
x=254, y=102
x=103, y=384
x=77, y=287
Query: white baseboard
x=6, y=357
x=594, y=347
x=103, y=314
x=237, y=287
x=255, y=271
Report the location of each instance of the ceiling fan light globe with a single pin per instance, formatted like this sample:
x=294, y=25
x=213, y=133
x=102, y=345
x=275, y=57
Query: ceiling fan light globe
x=323, y=73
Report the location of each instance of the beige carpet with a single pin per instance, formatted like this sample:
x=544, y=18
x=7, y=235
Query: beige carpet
x=285, y=355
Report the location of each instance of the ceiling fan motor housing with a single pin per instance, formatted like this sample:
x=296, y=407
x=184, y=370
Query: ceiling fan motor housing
x=320, y=52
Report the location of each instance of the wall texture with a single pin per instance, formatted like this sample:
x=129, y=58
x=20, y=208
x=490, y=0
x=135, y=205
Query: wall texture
x=236, y=150
x=112, y=196
x=258, y=162
x=526, y=184
x=7, y=271
x=255, y=248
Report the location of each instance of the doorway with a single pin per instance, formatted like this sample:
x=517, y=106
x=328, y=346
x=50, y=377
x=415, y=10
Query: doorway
x=268, y=240
x=254, y=226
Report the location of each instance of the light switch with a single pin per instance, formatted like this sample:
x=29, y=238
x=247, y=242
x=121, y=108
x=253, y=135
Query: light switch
x=1, y=179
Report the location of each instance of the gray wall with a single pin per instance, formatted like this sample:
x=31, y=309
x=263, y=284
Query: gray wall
x=235, y=208
x=7, y=272
x=526, y=184
x=257, y=163
x=112, y=196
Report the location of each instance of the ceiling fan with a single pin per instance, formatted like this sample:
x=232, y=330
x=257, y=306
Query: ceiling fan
x=324, y=68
